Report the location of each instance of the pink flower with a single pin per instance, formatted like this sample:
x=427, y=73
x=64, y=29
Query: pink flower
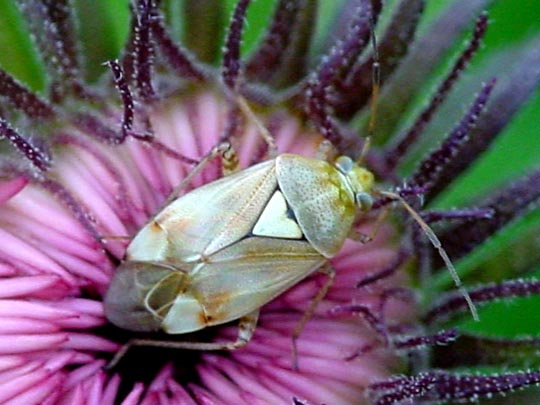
x=58, y=274
x=95, y=172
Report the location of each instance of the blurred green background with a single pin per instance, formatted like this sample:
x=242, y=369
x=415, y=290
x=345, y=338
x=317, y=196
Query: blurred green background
x=103, y=30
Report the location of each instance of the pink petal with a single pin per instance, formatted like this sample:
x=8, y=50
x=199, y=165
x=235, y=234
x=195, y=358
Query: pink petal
x=87, y=341
x=59, y=360
x=111, y=390
x=217, y=382
x=77, y=266
x=83, y=321
x=104, y=186
x=10, y=361
x=45, y=209
x=74, y=396
x=82, y=373
x=11, y=187
x=160, y=380
x=211, y=119
x=181, y=122
x=95, y=392
x=179, y=393
x=11, y=344
x=107, y=217
x=25, y=326
x=27, y=225
x=152, y=398
x=134, y=396
x=301, y=385
x=137, y=188
x=14, y=386
x=16, y=286
x=27, y=367
x=203, y=397
x=34, y=310
x=37, y=393
x=243, y=377
x=54, y=397
x=148, y=167
x=15, y=249
x=7, y=270
x=173, y=170
x=82, y=306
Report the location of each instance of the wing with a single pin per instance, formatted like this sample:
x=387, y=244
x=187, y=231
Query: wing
x=206, y=219
x=242, y=278
x=323, y=207
x=139, y=294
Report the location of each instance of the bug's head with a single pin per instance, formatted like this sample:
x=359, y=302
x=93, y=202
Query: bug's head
x=359, y=179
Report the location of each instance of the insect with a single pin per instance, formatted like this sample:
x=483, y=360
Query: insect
x=223, y=250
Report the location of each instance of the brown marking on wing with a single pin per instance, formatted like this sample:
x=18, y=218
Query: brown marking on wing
x=214, y=314
x=155, y=227
x=204, y=320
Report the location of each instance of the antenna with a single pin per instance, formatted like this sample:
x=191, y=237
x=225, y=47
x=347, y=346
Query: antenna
x=437, y=245
x=375, y=89
x=375, y=79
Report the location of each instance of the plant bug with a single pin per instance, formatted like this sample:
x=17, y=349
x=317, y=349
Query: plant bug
x=220, y=252
x=223, y=250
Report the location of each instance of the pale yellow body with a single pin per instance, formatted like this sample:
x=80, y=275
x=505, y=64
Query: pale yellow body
x=225, y=249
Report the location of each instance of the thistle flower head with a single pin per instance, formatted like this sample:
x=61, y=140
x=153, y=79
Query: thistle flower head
x=87, y=165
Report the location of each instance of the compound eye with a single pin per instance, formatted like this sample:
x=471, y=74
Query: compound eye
x=364, y=201
x=344, y=164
